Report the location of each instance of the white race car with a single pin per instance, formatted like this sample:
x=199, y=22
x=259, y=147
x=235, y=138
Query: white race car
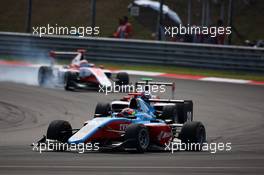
x=80, y=74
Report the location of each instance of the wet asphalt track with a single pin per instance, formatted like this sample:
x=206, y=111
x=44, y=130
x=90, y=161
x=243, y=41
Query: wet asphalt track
x=231, y=113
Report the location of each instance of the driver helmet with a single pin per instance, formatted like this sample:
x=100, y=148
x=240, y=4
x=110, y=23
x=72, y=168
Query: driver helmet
x=84, y=63
x=127, y=112
x=146, y=96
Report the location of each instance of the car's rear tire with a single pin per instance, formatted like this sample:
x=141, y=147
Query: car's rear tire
x=178, y=113
x=137, y=138
x=44, y=75
x=70, y=79
x=102, y=109
x=193, y=135
x=59, y=130
x=169, y=112
x=122, y=78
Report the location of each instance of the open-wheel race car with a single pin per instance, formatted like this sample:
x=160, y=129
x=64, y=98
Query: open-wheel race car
x=80, y=74
x=134, y=124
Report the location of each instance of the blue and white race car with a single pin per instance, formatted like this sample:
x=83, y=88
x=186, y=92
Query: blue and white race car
x=138, y=127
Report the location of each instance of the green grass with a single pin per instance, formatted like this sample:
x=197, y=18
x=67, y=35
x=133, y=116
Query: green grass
x=189, y=71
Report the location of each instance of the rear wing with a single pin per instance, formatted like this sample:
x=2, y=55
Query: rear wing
x=53, y=53
x=148, y=81
x=80, y=53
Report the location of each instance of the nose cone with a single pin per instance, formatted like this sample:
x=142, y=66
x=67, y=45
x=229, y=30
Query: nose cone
x=91, y=128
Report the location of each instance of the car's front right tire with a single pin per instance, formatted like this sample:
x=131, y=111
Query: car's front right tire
x=122, y=78
x=102, y=109
x=70, y=79
x=193, y=136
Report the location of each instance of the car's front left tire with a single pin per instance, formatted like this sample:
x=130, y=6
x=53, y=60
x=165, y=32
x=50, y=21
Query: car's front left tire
x=44, y=75
x=137, y=138
x=59, y=130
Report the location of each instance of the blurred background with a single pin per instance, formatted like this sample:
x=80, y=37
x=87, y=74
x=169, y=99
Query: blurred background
x=245, y=16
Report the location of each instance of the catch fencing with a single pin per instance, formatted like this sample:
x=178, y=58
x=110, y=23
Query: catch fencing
x=137, y=51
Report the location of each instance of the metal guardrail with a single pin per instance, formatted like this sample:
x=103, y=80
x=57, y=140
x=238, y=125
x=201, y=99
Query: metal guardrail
x=137, y=51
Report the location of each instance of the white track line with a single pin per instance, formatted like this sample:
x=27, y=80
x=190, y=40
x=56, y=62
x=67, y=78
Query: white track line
x=142, y=73
x=225, y=80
